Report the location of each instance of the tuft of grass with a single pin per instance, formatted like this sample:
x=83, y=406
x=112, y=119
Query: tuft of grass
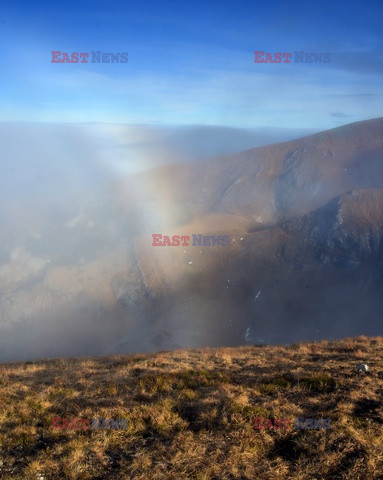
x=164, y=383
x=320, y=383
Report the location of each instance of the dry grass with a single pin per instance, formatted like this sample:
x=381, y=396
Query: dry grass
x=190, y=414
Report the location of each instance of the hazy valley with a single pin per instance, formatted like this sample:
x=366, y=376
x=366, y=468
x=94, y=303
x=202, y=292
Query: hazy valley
x=80, y=276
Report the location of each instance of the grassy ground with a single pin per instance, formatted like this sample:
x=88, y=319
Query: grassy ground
x=191, y=414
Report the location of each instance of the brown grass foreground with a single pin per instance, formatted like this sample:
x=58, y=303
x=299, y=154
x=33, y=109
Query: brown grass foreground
x=191, y=414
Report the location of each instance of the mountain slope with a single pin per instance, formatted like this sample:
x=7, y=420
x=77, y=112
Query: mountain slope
x=191, y=414
x=271, y=183
x=304, y=260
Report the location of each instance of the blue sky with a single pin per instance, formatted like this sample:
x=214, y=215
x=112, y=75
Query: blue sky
x=192, y=62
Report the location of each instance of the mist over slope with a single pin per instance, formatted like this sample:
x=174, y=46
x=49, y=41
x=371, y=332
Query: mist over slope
x=276, y=182
x=304, y=217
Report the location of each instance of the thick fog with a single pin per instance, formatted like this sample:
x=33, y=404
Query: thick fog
x=76, y=202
